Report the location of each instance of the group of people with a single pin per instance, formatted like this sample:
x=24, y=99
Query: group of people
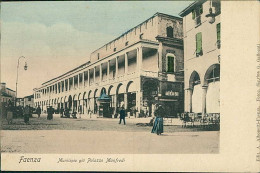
x=157, y=124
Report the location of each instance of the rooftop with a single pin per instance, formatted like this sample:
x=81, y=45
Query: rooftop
x=122, y=35
x=188, y=9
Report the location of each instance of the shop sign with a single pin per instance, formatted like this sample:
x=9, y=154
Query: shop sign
x=172, y=93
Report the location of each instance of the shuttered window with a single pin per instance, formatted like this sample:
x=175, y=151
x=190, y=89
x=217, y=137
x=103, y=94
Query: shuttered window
x=218, y=31
x=193, y=14
x=170, y=64
x=198, y=43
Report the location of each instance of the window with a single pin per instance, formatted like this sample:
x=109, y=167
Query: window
x=170, y=61
x=169, y=31
x=198, y=44
x=197, y=11
x=29, y=99
x=218, y=35
x=114, y=49
x=98, y=56
x=218, y=32
x=126, y=43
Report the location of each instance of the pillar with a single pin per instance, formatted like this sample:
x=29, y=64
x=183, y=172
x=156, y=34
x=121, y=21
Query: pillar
x=160, y=56
x=115, y=104
x=126, y=63
x=204, y=93
x=100, y=73
x=139, y=59
x=73, y=82
x=83, y=79
x=108, y=69
x=78, y=80
x=188, y=100
x=94, y=75
x=116, y=66
x=88, y=77
x=125, y=100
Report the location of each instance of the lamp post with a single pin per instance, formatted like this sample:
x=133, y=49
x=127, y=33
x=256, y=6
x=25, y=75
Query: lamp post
x=25, y=68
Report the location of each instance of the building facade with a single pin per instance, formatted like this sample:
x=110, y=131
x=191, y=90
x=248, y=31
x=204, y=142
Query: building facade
x=28, y=100
x=201, y=23
x=7, y=94
x=139, y=69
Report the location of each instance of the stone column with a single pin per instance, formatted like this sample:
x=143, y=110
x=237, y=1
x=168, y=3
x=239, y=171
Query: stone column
x=189, y=99
x=88, y=77
x=115, y=104
x=73, y=82
x=68, y=84
x=83, y=79
x=78, y=80
x=139, y=60
x=204, y=93
x=94, y=75
x=116, y=67
x=125, y=100
x=100, y=73
x=108, y=69
x=160, y=56
x=126, y=63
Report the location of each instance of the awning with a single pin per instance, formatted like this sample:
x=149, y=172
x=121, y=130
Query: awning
x=104, y=97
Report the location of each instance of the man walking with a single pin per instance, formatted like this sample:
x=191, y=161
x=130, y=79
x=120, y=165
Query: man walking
x=38, y=111
x=122, y=115
x=26, y=114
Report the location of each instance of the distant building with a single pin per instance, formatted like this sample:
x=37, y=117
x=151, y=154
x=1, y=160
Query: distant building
x=202, y=42
x=7, y=94
x=137, y=70
x=28, y=100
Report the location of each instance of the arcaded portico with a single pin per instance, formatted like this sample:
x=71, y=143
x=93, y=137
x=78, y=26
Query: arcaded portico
x=136, y=71
x=202, y=44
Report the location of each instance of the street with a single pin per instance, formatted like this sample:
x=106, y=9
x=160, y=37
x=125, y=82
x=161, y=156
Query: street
x=102, y=136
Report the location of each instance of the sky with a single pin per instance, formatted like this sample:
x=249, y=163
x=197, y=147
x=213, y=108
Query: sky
x=55, y=37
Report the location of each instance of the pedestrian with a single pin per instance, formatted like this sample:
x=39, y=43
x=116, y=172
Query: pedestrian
x=61, y=112
x=50, y=112
x=158, y=123
x=10, y=110
x=38, y=111
x=26, y=114
x=122, y=115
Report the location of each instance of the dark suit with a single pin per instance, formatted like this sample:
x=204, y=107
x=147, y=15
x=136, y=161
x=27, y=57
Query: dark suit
x=122, y=116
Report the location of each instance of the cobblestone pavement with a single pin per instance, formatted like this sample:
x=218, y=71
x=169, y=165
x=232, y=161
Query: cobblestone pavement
x=102, y=136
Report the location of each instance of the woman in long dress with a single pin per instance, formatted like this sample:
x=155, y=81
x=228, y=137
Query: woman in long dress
x=158, y=123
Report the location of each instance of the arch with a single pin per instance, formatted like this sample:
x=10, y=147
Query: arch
x=212, y=81
x=95, y=93
x=61, y=100
x=169, y=31
x=66, y=98
x=55, y=101
x=103, y=90
x=212, y=74
x=111, y=90
x=120, y=89
x=75, y=97
x=130, y=87
x=194, y=79
x=90, y=94
x=84, y=95
x=80, y=96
